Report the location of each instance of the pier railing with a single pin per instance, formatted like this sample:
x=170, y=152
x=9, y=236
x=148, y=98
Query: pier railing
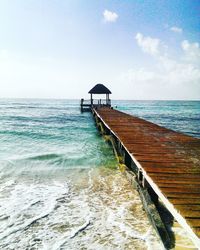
x=88, y=103
x=101, y=102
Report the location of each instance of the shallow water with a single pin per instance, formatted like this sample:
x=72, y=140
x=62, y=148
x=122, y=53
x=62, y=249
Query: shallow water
x=59, y=183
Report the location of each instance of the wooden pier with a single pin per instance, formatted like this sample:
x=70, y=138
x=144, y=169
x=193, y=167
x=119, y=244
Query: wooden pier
x=166, y=163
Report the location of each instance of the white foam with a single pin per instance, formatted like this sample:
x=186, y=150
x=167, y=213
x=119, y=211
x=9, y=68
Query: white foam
x=58, y=245
x=27, y=205
x=91, y=210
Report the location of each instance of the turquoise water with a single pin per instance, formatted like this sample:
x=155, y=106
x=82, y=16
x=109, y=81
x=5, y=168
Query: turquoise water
x=53, y=131
x=59, y=183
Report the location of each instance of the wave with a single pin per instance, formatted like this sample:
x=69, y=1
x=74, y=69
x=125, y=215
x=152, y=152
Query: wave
x=34, y=204
x=66, y=237
x=43, y=157
x=25, y=225
x=84, y=155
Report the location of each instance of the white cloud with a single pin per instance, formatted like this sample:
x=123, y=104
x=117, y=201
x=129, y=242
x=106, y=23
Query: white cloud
x=110, y=16
x=140, y=75
x=167, y=72
x=176, y=29
x=169, y=78
x=179, y=72
x=192, y=51
x=149, y=45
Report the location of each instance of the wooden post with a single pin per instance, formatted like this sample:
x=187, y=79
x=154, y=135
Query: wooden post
x=108, y=100
x=91, y=100
x=82, y=100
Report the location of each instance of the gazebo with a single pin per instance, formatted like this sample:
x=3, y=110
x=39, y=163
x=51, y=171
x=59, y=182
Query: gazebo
x=98, y=89
x=102, y=90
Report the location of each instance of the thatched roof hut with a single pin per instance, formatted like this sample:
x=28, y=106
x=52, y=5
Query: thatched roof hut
x=99, y=89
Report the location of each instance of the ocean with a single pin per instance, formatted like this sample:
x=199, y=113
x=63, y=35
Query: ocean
x=60, y=187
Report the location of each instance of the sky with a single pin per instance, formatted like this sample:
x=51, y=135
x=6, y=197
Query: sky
x=139, y=49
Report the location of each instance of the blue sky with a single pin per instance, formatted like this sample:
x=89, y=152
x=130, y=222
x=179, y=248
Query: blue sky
x=139, y=49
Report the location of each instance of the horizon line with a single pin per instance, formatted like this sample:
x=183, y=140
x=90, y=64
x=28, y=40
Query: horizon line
x=73, y=99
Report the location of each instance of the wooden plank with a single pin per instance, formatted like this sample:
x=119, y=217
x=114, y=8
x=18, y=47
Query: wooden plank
x=170, y=170
x=194, y=222
x=191, y=207
x=178, y=177
x=184, y=201
x=175, y=184
x=187, y=213
x=182, y=195
x=183, y=189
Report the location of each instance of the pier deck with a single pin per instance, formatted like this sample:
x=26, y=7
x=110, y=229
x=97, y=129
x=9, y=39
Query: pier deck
x=166, y=160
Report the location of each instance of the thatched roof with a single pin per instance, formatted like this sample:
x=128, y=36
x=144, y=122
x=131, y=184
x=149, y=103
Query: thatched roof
x=99, y=89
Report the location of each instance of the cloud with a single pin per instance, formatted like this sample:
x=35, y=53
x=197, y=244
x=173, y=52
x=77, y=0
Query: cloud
x=148, y=45
x=110, y=16
x=140, y=75
x=176, y=29
x=179, y=72
x=169, y=78
x=167, y=72
x=191, y=50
